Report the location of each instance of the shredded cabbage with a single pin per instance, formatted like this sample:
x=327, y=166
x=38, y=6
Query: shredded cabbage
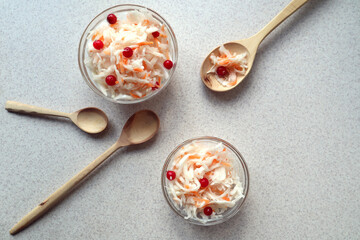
x=236, y=64
x=204, y=159
x=138, y=75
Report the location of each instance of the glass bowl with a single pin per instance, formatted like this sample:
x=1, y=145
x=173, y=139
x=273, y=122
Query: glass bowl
x=239, y=165
x=124, y=8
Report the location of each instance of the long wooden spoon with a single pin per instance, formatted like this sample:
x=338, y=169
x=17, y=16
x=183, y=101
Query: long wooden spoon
x=249, y=46
x=140, y=127
x=90, y=120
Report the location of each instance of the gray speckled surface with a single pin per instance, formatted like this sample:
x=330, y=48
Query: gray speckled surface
x=295, y=120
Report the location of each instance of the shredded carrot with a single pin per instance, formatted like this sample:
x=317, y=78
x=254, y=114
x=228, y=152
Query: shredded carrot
x=196, y=166
x=138, y=70
x=122, y=69
x=134, y=96
x=194, y=157
x=233, y=83
x=144, y=43
x=226, y=164
x=209, y=173
x=163, y=35
x=201, y=200
x=149, y=85
x=116, y=82
x=115, y=25
x=94, y=36
x=146, y=22
x=144, y=65
x=226, y=198
x=157, y=42
x=195, y=193
x=163, y=28
x=120, y=66
x=224, y=62
x=167, y=55
x=106, y=51
x=215, y=161
x=186, y=186
x=238, y=68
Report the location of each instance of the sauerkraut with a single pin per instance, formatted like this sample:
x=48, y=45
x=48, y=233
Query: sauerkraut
x=136, y=76
x=235, y=64
x=204, y=159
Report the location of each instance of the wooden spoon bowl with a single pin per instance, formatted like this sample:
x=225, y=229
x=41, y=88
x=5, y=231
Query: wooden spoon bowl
x=90, y=120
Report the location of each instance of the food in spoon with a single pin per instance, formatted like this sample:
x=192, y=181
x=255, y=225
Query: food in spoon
x=227, y=66
x=223, y=80
x=203, y=180
x=128, y=55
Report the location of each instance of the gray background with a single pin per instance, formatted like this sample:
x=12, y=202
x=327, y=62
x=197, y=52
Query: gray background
x=295, y=120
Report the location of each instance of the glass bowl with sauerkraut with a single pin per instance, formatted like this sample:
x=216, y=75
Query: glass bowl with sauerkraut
x=205, y=180
x=128, y=54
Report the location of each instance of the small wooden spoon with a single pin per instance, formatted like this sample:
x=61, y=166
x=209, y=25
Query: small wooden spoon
x=139, y=128
x=90, y=120
x=249, y=46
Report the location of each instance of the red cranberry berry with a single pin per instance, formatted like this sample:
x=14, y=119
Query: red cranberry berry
x=171, y=175
x=110, y=80
x=204, y=182
x=222, y=71
x=98, y=44
x=168, y=64
x=111, y=18
x=128, y=52
x=208, y=211
x=156, y=34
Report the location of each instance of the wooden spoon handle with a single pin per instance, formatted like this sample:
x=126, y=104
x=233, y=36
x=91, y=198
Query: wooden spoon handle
x=12, y=106
x=59, y=194
x=285, y=13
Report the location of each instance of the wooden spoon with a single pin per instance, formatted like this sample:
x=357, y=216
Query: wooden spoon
x=90, y=120
x=139, y=128
x=249, y=46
